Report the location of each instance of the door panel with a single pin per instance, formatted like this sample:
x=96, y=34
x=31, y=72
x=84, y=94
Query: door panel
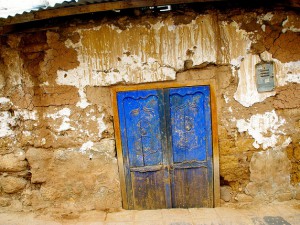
x=167, y=149
x=191, y=147
x=148, y=184
x=142, y=120
x=143, y=143
x=190, y=188
x=188, y=125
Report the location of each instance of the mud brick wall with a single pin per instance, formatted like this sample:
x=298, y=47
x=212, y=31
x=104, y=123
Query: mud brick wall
x=57, y=146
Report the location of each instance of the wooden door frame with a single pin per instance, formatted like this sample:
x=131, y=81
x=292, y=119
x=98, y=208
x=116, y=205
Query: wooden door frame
x=161, y=85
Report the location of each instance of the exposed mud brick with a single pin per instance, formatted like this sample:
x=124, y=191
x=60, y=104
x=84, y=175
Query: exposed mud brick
x=48, y=139
x=292, y=22
x=88, y=178
x=287, y=97
x=12, y=162
x=2, y=78
x=252, y=189
x=227, y=146
x=286, y=47
x=244, y=144
x=195, y=74
x=99, y=96
x=297, y=153
x=39, y=161
x=22, y=97
x=234, y=167
x=270, y=172
x=13, y=41
x=5, y=144
x=293, y=153
x=35, y=200
x=57, y=57
x=37, y=47
x=63, y=127
x=106, y=146
x=32, y=64
x=274, y=33
x=4, y=201
x=12, y=185
x=33, y=38
x=284, y=196
x=297, y=193
x=55, y=96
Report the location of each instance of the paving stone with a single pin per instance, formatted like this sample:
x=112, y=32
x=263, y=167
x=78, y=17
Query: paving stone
x=203, y=213
x=156, y=222
x=275, y=220
x=267, y=211
x=123, y=216
x=257, y=221
x=227, y=212
x=295, y=219
x=208, y=221
x=236, y=220
x=148, y=215
x=180, y=223
x=176, y=215
x=119, y=223
x=290, y=211
x=90, y=223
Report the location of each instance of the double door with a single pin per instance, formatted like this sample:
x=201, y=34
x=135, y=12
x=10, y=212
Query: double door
x=167, y=147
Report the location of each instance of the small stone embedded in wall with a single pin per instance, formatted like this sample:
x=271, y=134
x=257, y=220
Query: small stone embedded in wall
x=12, y=184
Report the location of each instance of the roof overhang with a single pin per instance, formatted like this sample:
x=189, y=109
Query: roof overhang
x=6, y=25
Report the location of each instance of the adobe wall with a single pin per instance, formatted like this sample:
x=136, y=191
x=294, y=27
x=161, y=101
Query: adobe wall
x=57, y=146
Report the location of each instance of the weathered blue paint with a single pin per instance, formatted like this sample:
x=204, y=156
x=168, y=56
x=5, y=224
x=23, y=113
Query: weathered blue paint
x=167, y=148
x=143, y=142
x=190, y=122
x=142, y=118
x=189, y=128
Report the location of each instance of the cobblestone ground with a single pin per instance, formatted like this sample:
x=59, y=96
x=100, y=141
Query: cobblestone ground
x=274, y=214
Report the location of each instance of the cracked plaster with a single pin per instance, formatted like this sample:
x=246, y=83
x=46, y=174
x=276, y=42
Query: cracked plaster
x=264, y=128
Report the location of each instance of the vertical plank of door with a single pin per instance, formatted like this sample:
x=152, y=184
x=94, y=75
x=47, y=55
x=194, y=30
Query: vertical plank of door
x=125, y=152
x=148, y=190
x=168, y=150
x=119, y=148
x=191, y=146
x=216, y=165
x=190, y=190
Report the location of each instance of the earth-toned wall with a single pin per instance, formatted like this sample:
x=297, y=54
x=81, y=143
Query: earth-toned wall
x=57, y=146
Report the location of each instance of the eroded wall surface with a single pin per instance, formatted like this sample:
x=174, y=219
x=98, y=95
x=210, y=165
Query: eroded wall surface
x=57, y=146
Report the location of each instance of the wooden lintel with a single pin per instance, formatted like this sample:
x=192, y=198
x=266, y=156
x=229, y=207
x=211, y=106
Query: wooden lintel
x=98, y=7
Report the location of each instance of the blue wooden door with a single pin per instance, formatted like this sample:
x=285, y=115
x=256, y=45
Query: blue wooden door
x=167, y=149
